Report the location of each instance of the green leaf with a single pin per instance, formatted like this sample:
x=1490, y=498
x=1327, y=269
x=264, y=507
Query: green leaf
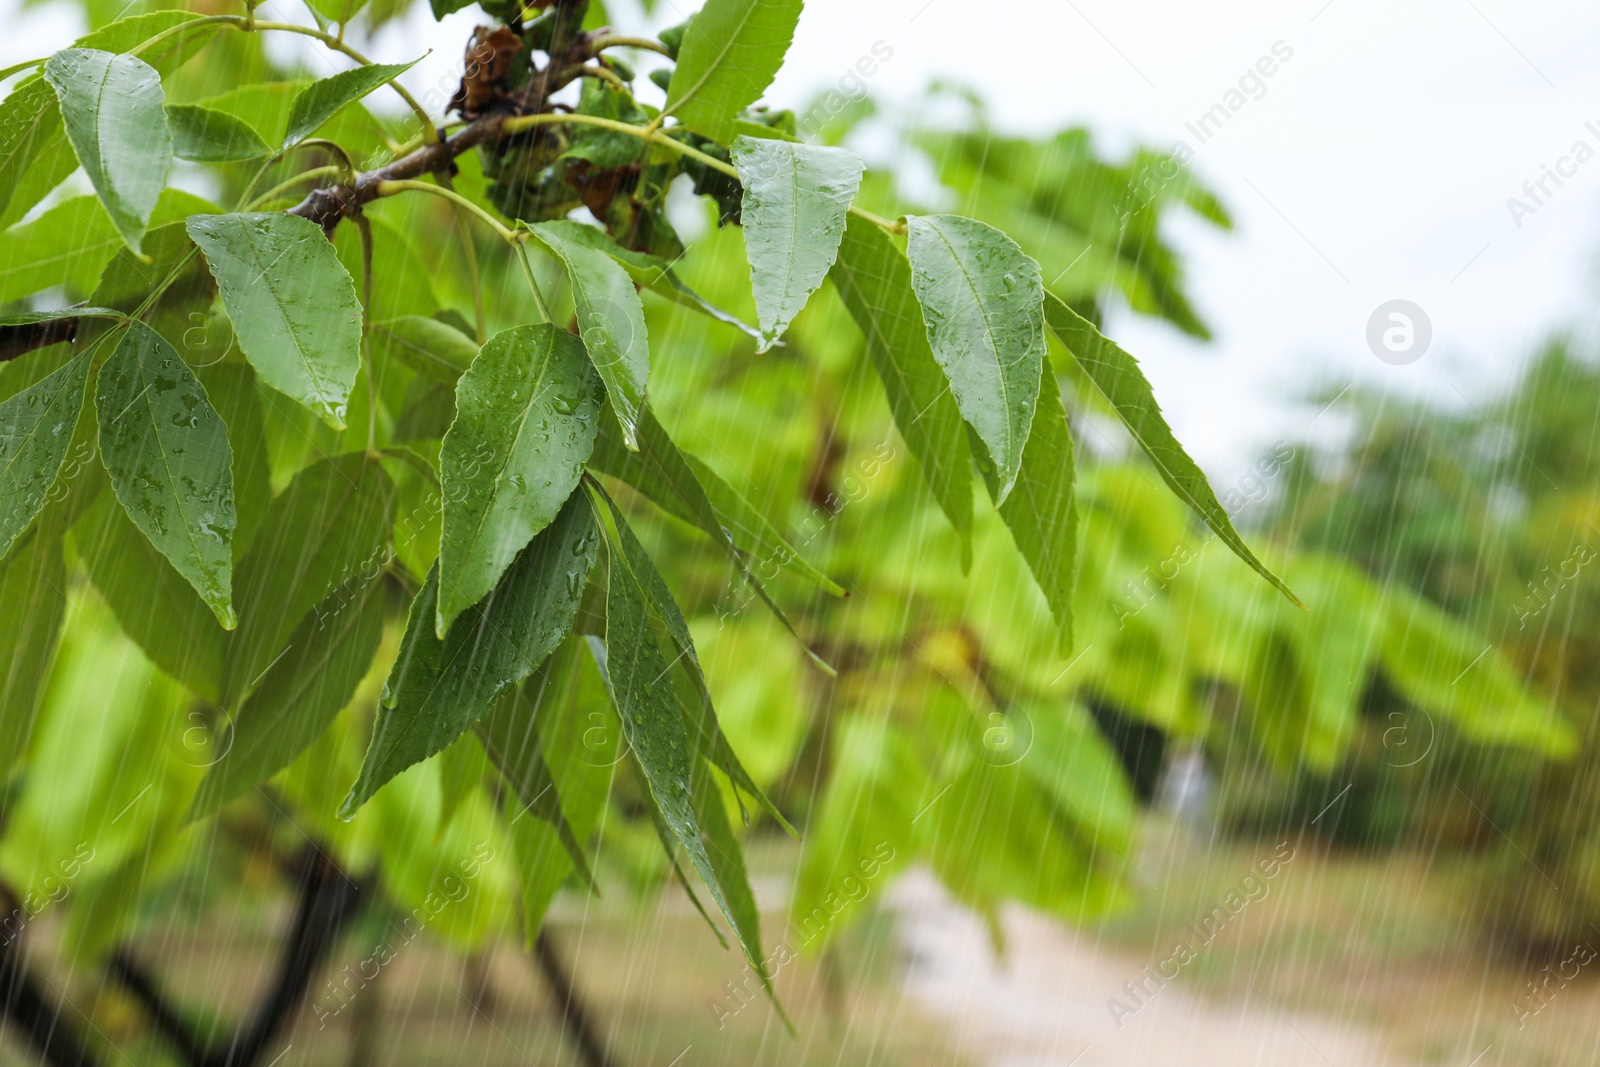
x=635, y=563
x=526, y=414
x=207, y=136
x=512, y=743
x=153, y=603
x=565, y=712
x=28, y=318
x=426, y=345
x=169, y=258
x=33, y=600
x=1040, y=511
x=981, y=300
x=167, y=452
x=874, y=280
x=323, y=99
x=731, y=51
x=300, y=695
x=661, y=471
x=36, y=429
x=330, y=525
x=231, y=385
x=796, y=201
x=750, y=529
x=1117, y=375
x=112, y=107
x=462, y=766
x=611, y=322
x=292, y=303
x=439, y=688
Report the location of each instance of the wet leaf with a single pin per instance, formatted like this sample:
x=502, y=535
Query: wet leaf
x=325, y=98
x=167, y=452
x=981, y=302
x=731, y=51
x=796, y=201
x=426, y=345
x=207, y=136
x=292, y=303
x=36, y=429
x=526, y=413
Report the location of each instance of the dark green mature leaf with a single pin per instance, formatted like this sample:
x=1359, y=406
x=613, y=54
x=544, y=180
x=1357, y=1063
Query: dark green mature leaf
x=526, y=415
x=426, y=345
x=651, y=272
x=36, y=428
x=1040, y=511
x=170, y=259
x=981, y=298
x=33, y=600
x=874, y=280
x=330, y=525
x=565, y=713
x=731, y=51
x=1116, y=374
x=300, y=695
x=611, y=322
x=292, y=303
x=112, y=108
x=439, y=688
x=153, y=603
x=231, y=385
x=167, y=452
x=796, y=201
x=323, y=99
x=662, y=472
x=641, y=570
x=207, y=136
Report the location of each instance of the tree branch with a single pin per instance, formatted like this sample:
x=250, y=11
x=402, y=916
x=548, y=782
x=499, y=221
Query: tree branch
x=36, y=1016
x=574, y=1014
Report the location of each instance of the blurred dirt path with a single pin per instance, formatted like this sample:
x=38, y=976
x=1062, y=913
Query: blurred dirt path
x=1045, y=1005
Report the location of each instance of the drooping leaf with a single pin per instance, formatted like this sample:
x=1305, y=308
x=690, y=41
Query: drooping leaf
x=153, y=603
x=640, y=570
x=611, y=322
x=299, y=696
x=439, y=688
x=292, y=303
x=796, y=201
x=330, y=525
x=231, y=385
x=874, y=280
x=731, y=51
x=111, y=106
x=662, y=472
x=752, y=532
x=463, y=766
x=981, y=300
x=36, y=429
x=325, y=98
x=526, y=413
x=167, y=452
x=1117, y=375
x=1040, y=511
x=207, y=136
x=426, y=345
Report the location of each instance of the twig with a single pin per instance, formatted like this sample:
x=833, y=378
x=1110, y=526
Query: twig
x=574, y=1014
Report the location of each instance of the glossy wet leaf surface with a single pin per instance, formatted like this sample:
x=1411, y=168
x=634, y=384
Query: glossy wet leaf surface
x=323, y=99
x=36, y=429
x=731, y=51
x=167, y=452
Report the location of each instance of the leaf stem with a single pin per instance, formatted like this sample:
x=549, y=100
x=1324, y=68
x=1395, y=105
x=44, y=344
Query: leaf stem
x=390, y=188
x=470, y=249
x=600, y=44
x=364, y=228
x=281, y=187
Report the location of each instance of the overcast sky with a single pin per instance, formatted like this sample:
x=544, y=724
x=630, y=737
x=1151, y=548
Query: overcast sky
x=1374, y=164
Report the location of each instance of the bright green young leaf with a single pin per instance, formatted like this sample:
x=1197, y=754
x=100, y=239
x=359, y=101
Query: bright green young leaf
x=796, y=201
x=321, y=100
x=874, y=280
x=292, y=303
x=1116, y=374
x=207, y=136
x=611, y=322
x=171, y=466
x=981, y=301
x=731, y=51
x=330, y=525
x=426, y=345
x=112, y=108
x=153, y=603
x=29, y=318
x=439, y=688
x=33, y=598
x=300, y=695
x=36, y=429
x=752, y=532
x=526, y=414
x=1040, y=510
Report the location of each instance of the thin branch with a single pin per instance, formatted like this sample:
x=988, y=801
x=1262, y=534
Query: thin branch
x=574, y=1013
